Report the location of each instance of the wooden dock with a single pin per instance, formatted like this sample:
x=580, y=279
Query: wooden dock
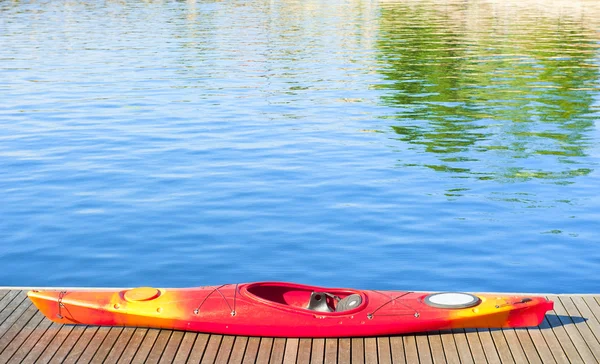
x=570, y=334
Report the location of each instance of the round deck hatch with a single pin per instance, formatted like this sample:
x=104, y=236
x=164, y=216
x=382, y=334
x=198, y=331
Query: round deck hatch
x=142, y=294
x=452, y=300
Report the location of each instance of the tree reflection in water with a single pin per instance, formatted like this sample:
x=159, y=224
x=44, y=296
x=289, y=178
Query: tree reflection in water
x=490, y=91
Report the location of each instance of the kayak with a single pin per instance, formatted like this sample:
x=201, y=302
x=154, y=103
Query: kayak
x=279, y=309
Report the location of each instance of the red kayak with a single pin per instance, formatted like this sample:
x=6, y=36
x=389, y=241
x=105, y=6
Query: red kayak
x=279, y=309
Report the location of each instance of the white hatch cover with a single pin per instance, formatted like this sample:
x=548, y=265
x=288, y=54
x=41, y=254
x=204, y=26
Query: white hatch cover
x=452, y=300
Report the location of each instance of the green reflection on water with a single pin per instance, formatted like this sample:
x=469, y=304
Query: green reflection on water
x=493, y=97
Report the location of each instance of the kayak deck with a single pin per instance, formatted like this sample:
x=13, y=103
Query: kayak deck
x=569, y=332
x=283, y=309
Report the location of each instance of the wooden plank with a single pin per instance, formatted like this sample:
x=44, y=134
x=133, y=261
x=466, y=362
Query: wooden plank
x=291, y=351
x=36, y=342
x=411, y=353
x=158, y=347
x=436, y=347
x=344, y=352
x=384, y=352
x=3, y=292
x=331, y=348
x=552, y=341
x=146, y=345
x=79, y=347
x=64, y=349
x=106, y=346
x=251, y=350
x=6, y=300
x=588, y=314
x=563, y=337
x=397, y=350
x=18, y=339
x=574, y=334
x=541, y=346
x=61, y=342
x=462, y=346
x=318, y=351
x=225, y=349
x=582, y=326
x=197, y=351
x=501, y=345
x=304, y=351
x=125, y=335
x=97, y=340
x=528, y=347
x=14, y=331
x=212, y=348
x=239, y=347
x=184, y=349
x=475, y=346
x=278, y=351
x=489, y=348
x=357, y=345
x=449, y=346
x=593, y=306
x=168, y=355
x=423, y=349
x=371, y=350
x=264, y=350
x=12, y=312
x=516, y=350
x=132, y=346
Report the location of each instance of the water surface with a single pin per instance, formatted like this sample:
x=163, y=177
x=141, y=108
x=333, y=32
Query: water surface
x=424, y=145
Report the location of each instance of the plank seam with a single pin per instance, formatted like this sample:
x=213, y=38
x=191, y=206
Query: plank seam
x=556, y=337
x=496, y=346
x=86, y=345
x=192, y=348
x=18, y=328
x=551, y=332
x=99, y=345
x=13, y=309
x=124, y=347
x=70, y=328
x=36, y=342
x=537, y=351
x=136, y=349
x=231, y=351
x=24, y=339
x=206, y=347
x=285, y=342
x=442, y=344
x=245, y=347
x=507, y=345
x=428, y=346
x=376, y=351
x=591, y=310
x=568, y=336
x=176, y=349
x=464, y=332
x=270, y=349
x=74, y=344
x=10, y=299
x=586, y=321
x=576, y=328
x=389, y=348
x=141, y=342
x=164, y=347
x=456, y=345
x=111, y=347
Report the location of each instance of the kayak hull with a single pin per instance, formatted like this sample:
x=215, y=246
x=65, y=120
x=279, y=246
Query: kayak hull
x=278, y=309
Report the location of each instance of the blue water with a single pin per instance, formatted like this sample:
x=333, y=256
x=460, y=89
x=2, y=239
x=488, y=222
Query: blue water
x=412, y=145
